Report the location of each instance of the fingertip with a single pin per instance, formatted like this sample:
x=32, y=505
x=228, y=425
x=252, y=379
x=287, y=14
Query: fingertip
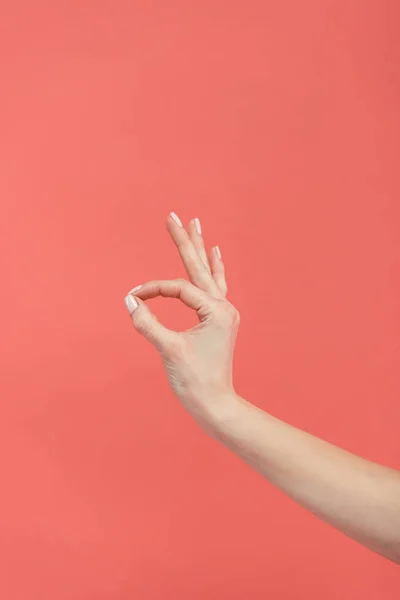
x=197, y=225
x=131, y=303
x=176, y=219
x=134, y=290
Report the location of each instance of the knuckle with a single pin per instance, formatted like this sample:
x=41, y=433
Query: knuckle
x=192, y=263
x=143, y=326
x=144, y=323
x=181, y=284
x=229, y=315
x=184, y=244
x=235, y=316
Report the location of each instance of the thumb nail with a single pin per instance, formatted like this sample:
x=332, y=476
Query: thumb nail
x=131, y=304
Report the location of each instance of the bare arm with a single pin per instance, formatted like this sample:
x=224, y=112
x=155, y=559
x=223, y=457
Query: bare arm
x=358, y=497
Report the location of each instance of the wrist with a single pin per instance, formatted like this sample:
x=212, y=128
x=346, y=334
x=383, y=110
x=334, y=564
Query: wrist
x=221, y=412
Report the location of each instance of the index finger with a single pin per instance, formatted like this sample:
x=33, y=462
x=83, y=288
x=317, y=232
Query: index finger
x=185, y=291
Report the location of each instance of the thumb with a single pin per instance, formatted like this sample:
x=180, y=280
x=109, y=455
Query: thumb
x=146, y=323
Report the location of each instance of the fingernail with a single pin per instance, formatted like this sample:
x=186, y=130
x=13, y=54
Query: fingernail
x=131, y=303
x=198, y=225
x=176, y=219
x=135, y=289
x=218, y=251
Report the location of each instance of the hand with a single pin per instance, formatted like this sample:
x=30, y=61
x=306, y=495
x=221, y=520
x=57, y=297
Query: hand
x=198, y=361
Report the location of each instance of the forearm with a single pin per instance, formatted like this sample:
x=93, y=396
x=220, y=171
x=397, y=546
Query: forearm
x=358, y=497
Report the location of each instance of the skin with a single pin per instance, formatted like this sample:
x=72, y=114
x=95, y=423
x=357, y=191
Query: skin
x=359, y=497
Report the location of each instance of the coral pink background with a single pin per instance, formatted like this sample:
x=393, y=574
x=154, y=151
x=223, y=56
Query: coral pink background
x=277, y=123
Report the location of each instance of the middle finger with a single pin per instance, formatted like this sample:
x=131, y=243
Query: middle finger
x=196, y=236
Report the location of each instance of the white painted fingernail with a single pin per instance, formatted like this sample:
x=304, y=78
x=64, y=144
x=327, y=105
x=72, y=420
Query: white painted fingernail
x=198, y=225
x=131, y=304
x=218, y=251
x=135, y=289
x=176, y=219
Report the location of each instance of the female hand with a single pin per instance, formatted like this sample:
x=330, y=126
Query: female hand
x=198, y=361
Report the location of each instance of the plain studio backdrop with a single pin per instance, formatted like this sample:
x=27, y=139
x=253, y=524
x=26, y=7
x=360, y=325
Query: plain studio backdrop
x=275, y=122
